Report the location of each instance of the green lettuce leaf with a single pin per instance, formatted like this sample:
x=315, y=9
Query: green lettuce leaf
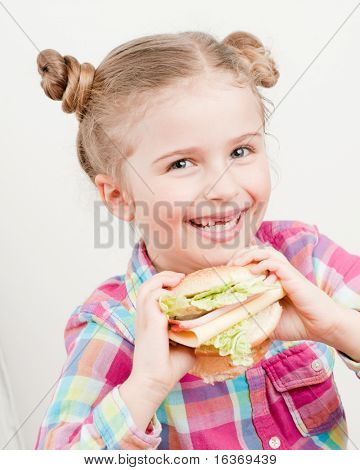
x=215, y=290
x=233, y=342
x=218, y=300
x=173, y=305
x=225, y=294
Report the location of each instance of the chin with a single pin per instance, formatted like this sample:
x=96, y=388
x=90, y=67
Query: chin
x=214, y=256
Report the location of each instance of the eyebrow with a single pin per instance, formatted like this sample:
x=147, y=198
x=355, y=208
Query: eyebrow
x=189, y=150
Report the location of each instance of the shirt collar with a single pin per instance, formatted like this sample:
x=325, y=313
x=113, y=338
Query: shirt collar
x=139, y=270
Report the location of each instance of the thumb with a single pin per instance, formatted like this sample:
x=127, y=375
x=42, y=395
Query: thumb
x=182, y=358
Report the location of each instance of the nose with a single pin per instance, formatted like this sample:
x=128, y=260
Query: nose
x=221, y=184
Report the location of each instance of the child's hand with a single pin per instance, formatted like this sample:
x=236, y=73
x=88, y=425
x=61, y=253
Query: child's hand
x=308, y=312
x=157, y=365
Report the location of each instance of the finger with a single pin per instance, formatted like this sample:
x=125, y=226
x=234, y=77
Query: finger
x=260, y=254
x=254, y=255
x=241, y=252
x=183, y=358
x=149, y=293
x=271, y=279
x=151, y=299
x=164, y=278
x=276, y=267
x=151, y=310
x=157, y=293
x=157, y=288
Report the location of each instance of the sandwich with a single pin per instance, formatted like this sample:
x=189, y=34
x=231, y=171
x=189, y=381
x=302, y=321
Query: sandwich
x=227, y=314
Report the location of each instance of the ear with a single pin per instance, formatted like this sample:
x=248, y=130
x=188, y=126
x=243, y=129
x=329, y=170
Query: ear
x=115, y=198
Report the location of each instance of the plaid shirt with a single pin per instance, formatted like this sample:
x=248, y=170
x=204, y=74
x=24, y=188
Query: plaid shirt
x=286, y=401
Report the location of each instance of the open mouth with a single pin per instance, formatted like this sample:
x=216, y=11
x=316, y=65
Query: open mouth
x=218, y=227
x=215, y=225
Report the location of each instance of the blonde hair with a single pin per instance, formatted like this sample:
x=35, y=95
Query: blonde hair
x=110, y=99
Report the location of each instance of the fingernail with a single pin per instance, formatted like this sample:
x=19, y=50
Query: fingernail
x=269, y=280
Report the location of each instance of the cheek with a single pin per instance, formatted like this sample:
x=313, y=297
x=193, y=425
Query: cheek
x=258, y=183
x=263, y=189
x=171, y=201
x=159, y=214
x=160, y=224
x=168, y=213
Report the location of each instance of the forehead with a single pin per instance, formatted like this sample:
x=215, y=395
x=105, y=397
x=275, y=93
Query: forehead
x=194, y=110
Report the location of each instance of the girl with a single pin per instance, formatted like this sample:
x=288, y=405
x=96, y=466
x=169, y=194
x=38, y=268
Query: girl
x=171, y=132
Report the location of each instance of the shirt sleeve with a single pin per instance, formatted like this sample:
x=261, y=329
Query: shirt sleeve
x=352, y=365
x=337, y=272
x=87, y=411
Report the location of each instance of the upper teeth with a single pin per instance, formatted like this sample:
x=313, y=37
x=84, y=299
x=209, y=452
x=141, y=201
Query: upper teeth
x=206, y=223
x=211, y=224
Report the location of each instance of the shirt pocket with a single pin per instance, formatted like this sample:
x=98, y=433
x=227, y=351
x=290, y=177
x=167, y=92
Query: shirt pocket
x=305, y=381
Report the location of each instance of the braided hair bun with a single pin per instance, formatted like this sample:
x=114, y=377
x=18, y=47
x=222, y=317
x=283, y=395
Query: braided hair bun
x=64, y=78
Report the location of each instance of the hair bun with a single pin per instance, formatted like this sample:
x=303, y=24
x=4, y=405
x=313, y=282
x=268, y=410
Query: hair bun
x=64, y=78
x=262, y=66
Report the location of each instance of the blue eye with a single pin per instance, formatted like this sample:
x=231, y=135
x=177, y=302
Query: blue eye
x=242, y=149
x=182, y=163
x=179, y=164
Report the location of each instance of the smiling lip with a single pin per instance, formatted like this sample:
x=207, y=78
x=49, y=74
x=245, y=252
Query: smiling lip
x=220, y=216
x=223, y=235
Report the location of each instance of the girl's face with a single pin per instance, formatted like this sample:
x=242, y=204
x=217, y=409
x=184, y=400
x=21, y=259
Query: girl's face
x=201, y=152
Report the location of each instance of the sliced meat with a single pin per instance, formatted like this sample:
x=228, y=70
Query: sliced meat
x=181, y=325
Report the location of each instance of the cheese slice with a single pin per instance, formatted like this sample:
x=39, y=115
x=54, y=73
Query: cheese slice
x=199, y=335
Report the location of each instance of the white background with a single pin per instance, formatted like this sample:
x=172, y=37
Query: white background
x=49, y=262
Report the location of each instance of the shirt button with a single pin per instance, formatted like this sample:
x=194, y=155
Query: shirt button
x=274, y=442
x=316, y=365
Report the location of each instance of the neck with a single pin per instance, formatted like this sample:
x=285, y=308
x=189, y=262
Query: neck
x=165, y=260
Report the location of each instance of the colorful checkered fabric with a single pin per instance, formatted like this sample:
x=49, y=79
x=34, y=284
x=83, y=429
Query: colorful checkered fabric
x=286, y=401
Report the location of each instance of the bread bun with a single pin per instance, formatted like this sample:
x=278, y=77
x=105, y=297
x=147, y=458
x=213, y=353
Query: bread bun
x=211, y=367
x=209, y=278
